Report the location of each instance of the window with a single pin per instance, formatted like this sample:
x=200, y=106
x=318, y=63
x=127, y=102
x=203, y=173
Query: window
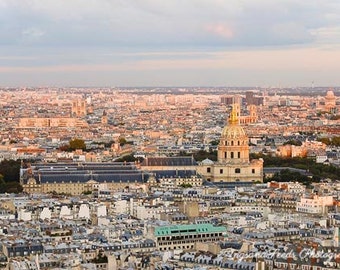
x=237, y=170
x=225, y=154
x=232, y=143
x=238, y=154
x=231, y=154
x=208, y=170
x=253, y=170
x=221, y=171
x=238, y=142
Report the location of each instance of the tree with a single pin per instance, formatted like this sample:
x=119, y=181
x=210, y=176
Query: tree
x=2, y=184
x=215, y=142
x=326, y=141
x=330, y=141
x=126, y=158
x=201, y=155
x=9, y=176
x=77, y=144
x=10, y=170
x=318, y=171
x=293, y=142
x=122, y=141
x=13, y=187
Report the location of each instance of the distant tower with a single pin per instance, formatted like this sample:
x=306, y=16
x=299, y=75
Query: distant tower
x=79, y=108
x=253, y=114
x=104, y=118
x=250, y=97
x=237, y=109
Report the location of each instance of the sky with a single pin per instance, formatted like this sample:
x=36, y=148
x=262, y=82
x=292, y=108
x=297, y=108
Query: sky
x=264, y=43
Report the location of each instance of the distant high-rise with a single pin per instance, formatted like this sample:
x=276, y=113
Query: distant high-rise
x=232, y=99
x=251, y=99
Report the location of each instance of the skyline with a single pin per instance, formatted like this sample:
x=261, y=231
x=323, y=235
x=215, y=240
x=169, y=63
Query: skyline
x=157, y=43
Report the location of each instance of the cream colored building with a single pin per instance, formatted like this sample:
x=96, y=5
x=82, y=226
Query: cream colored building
x=79, y=108
x=314, y=205
x=233, y=162
x=72, y=188
x=330, y=101
x=63, y=122
x=175, y=182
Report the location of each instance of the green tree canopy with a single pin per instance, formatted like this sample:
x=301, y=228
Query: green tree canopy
x=318, y=171
x=126, y=158
x=9, y=176
x=122, y=141
x=293, y=142
x=201, y=155
x=330, y=140
x=10, y=170
x=77, y=144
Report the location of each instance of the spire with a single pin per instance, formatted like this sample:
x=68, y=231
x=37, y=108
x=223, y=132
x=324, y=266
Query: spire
x=233, y=120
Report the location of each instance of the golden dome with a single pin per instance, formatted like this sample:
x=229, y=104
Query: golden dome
x=233, y=130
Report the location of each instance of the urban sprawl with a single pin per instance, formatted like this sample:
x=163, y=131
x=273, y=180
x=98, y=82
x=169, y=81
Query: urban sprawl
x=170, y=178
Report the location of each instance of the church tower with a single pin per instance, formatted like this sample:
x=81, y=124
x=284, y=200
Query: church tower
x=104, y=119
x=78, y=108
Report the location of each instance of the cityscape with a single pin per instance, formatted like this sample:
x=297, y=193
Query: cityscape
x=169, y=135
x=170, y=178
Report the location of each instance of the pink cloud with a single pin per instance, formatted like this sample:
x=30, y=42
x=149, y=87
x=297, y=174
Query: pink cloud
x=220, y=29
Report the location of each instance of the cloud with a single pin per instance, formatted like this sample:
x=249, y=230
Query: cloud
x=152, y=23
x=32, y=34
x=220, y=30
x=327, y=35
x=165, y=37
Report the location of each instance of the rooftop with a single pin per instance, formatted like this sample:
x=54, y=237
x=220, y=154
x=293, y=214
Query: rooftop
x=188, y=229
